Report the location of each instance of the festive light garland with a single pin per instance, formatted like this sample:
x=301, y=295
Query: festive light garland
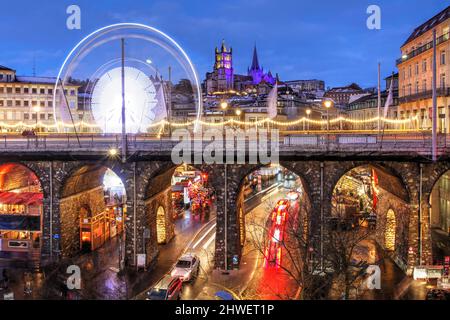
x=163, y=123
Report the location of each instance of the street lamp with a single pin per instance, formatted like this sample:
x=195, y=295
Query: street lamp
x=224, y=106
x=328, y=104
x=36, y=109
x=308, y=114
x=113, y=152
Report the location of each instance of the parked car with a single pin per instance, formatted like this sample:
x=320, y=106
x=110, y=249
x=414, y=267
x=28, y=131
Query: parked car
x=438, y=294
x=168, y=288
x=187, y=267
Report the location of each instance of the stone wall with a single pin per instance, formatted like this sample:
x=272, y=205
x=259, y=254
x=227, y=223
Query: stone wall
x=386, y=202
x=162, y=199
x=70, y=207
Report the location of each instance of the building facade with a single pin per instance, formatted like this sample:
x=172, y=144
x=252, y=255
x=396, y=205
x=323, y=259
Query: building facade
x=341, y=95
x=26, y=103
x=366, y=107
x=416, y=72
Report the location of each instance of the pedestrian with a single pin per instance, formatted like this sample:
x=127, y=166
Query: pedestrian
x=5, y=279
x=28, y=283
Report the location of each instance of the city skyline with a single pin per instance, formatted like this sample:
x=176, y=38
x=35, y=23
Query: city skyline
x=282, y=49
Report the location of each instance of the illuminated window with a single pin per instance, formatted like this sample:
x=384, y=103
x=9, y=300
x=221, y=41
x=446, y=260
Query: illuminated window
x=389, y=240
x=161, y=225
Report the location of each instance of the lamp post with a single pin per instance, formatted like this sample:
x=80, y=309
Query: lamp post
x=224, y=106
x=308, y=114
x=36, y=109
x=238, y=113
x=328, y=104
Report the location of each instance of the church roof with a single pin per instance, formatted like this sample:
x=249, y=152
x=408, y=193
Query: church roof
x=255, y=62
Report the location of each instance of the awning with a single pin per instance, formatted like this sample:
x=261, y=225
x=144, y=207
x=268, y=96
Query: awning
x=23, y=198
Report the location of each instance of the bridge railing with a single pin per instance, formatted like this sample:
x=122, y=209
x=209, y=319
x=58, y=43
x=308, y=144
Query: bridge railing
x=419, y=142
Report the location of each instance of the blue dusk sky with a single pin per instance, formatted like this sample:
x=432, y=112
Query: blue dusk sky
x=297, y=39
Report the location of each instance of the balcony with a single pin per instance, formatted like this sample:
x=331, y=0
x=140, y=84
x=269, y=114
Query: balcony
x=424, y=48
x=440, y=92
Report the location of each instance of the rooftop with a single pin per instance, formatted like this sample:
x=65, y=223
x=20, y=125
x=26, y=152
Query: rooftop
x=5, y=68
x=429, y=24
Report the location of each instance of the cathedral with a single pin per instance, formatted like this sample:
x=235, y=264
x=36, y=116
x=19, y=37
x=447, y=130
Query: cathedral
x=223, y=79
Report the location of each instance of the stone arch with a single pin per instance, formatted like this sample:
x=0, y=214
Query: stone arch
x=236, y=220
x=436, y=225
x=17, y=177
x=81, y=190
x=156, y=189
x=395, y=194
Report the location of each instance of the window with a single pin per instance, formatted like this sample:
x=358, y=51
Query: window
x=443, y=80
x=34, y=91
x=50, y=103
x=417, y=68
x=409, y=71
x=2, y=90
x=2, y=103
x=18, y=90
x=42, y=91
x=424, y=84
x=26, y=103
x=417, y=86
x=42, y=104
x=9, y=103
x=34, y=103
x=443, y=57
x=18, y=104
x=424, y=65
x=50, y=116
x=26, y=116
x=9, y=90
x=26, y=90
x=50, y=91
x=33, y=116
x=42, y=116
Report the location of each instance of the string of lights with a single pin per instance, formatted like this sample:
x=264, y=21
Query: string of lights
x=163, y=123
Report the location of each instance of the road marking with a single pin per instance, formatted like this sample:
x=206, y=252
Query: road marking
x=203, y=237
x=206, y=245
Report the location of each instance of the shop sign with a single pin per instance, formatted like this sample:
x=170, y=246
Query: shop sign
x=141, y=260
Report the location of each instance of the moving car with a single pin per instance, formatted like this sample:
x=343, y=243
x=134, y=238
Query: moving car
x=168, y=288
x=187, y=267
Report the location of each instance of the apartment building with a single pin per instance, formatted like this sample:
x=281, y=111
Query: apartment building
x=416, y=73
x=27, y=102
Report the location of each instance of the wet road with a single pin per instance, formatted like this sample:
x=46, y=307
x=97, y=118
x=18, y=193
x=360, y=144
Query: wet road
x=267, y=283
x=100, y=269
x=202, y=244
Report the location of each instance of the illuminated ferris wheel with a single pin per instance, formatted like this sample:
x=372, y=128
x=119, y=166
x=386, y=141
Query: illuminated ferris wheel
x=140, y=99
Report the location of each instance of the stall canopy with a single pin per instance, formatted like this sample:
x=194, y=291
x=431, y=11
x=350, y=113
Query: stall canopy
x=23, y=198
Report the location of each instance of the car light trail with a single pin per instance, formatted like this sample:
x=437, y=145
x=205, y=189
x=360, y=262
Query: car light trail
x=204, y=236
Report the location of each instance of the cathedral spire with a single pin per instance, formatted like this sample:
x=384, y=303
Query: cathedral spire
x=255, y=62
